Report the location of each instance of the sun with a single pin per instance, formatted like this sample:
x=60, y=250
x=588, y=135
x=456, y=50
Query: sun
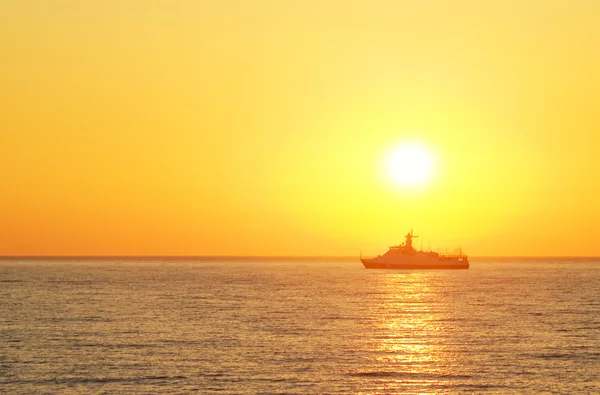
x=410, y=165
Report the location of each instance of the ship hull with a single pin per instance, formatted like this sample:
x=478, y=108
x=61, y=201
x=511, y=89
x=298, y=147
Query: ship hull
x=415, y=264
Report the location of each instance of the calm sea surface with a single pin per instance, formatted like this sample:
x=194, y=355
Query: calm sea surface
x=302, y=326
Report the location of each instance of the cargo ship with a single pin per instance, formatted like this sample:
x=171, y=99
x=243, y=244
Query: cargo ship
x=405, y=256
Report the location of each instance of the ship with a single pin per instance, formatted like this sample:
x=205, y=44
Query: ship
x=405, y=256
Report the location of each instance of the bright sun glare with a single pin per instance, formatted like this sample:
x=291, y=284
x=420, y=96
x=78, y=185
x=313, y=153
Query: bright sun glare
x=410, y=165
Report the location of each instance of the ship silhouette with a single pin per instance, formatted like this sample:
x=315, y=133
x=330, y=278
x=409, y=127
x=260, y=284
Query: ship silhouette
x=405, y=256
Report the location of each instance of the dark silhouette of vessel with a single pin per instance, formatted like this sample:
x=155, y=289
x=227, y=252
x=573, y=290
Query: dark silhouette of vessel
x=405, y=256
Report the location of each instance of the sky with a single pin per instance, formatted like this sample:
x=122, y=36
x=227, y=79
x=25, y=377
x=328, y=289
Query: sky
x=222, y=127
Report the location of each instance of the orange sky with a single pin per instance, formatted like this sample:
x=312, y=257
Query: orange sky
x=259, y=127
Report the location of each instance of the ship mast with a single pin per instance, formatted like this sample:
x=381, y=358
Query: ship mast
x=409, y=237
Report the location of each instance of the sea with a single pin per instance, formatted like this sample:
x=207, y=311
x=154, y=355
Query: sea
x=227, y=325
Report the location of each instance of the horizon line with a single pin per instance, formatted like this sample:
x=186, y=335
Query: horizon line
x=4, y=257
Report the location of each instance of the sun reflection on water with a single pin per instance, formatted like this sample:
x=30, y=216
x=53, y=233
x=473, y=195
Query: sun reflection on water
x=410, y=348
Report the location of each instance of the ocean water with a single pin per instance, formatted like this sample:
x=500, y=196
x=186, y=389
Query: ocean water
x=298, y=326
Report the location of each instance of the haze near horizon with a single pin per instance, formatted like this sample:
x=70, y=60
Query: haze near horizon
x=274, y=128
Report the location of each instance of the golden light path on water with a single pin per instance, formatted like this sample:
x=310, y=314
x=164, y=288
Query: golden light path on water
x=411, y=347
